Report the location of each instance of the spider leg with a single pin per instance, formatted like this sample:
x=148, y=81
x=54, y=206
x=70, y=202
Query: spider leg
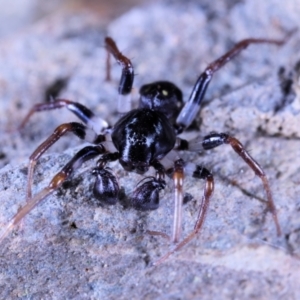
x=82, y=112
x=216, y=139
x=178, y=176
x=80, y=157
x=197, y=172
x=127, y=76
x=177, y=172
x=192, y=106
x=78, y=129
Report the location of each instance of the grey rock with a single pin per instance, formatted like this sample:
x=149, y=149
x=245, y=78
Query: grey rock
x=70, y=247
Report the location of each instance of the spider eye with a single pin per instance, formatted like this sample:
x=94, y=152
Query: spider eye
x=141, y=168
x=126, y=165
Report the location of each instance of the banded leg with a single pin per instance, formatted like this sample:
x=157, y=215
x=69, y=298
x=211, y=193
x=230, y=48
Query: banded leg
x=214, y=140
x=197, y=172
x=80, y=157
x=127, y=76
x=192, y=107
x=82, y=112
x=78, y=129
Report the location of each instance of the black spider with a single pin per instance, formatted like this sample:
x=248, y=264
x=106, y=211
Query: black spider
x=142, y=138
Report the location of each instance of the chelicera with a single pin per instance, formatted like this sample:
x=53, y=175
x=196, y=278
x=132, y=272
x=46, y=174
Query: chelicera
x=142, y=138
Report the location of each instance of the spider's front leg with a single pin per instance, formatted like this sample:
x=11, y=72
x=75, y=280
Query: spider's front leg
x=214, y=140
x=178, y=171
x=80, y=157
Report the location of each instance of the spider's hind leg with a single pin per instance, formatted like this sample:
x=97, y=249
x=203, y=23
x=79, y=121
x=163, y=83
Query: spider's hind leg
x=97, y=124
x=193, y=105
x=127, y=76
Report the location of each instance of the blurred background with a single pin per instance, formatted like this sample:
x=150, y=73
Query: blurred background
x=17, y=14
x=72, y=248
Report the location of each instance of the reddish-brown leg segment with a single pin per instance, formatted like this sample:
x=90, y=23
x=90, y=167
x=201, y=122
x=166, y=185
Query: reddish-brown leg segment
x=76, y=128
x=82, y=112
x=178, y=177
x=241, y=151
x=216, y=139
x=201, y=173
x=83, y=155
x=127, y=76
x=192, y=106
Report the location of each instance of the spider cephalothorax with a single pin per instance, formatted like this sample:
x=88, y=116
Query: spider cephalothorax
x=142, y=138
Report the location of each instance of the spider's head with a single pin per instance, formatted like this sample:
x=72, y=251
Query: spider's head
x=161, y=96
x=132, y=166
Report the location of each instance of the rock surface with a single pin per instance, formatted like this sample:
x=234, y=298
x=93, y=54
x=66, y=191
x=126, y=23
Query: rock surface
x=69, y=247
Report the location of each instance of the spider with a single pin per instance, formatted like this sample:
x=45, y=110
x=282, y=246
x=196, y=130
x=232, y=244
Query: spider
x=142, y=138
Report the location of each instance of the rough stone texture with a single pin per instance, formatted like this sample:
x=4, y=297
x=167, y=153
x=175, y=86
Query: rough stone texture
x=70, y=248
